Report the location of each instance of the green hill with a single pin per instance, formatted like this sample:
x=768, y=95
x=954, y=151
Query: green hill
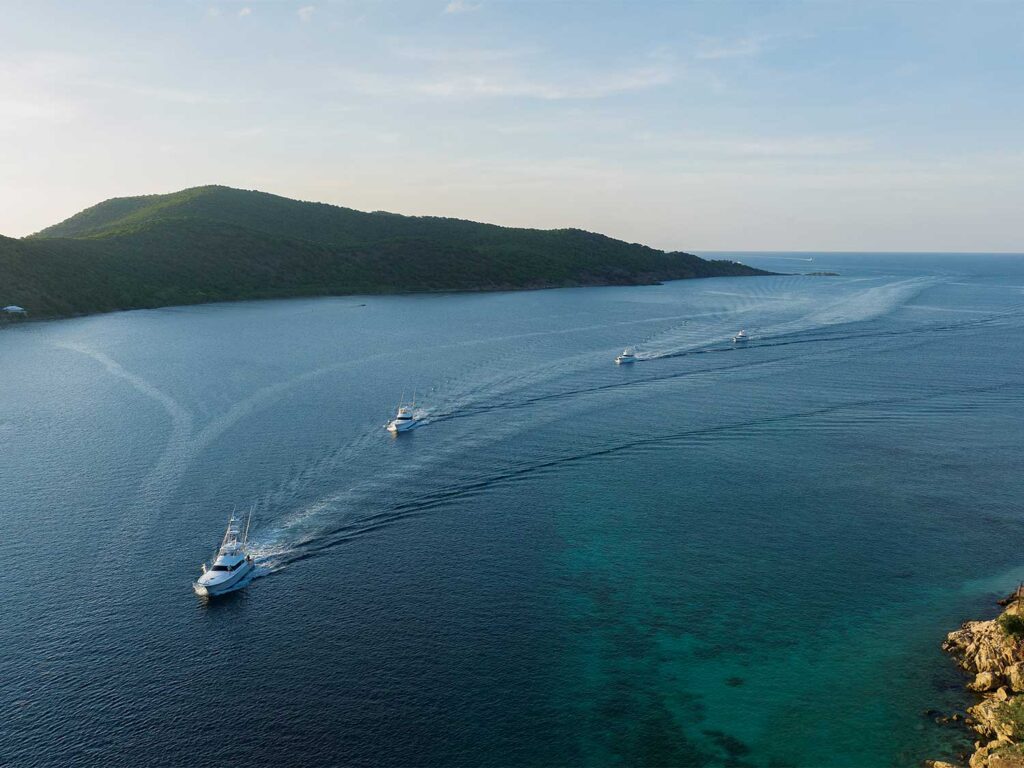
x=217, y=244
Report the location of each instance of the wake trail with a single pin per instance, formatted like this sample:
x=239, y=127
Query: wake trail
x=327, y=538
x=171, y=464
x=489, y=402
x=860, y=306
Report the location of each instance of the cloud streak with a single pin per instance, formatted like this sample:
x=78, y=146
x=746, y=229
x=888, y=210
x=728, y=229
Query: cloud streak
x=509, y=85
x=609, y=84
x=461, y=6
x=716, y=48
x=761, y=146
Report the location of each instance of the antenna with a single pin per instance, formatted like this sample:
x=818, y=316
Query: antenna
x=245, y=538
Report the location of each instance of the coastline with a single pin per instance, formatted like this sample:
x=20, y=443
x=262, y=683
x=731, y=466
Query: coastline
x=992, y=653
x=10, y=322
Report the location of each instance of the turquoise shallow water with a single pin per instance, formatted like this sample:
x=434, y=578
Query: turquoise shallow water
x=715, y=557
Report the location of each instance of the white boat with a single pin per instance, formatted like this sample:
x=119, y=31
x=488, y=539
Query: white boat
x=404, y=420
x=627, y=356
x=231, y=565
x=740, y=337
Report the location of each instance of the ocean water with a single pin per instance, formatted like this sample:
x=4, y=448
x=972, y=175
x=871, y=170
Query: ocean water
x=718, y=556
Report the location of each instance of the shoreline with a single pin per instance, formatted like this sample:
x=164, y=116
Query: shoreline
x=992, y=653
x=12, y=322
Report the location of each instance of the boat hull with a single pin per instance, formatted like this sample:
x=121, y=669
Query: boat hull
x=236, y=580
x=394, y=428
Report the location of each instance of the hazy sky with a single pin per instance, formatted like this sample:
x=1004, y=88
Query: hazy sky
x=686, y=125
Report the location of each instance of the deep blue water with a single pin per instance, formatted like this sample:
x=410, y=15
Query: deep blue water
x=717, y=556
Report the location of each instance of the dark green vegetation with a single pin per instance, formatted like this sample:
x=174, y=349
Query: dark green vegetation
x=1012, y=624
x=219, y=244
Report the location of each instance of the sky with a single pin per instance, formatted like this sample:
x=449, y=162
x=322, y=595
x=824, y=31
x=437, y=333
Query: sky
x=712, y=125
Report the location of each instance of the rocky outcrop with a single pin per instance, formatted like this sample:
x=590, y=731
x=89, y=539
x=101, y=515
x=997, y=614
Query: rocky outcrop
x=992, y=653
x=985, y=650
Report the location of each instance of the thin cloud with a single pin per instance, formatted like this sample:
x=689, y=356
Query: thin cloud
x=306, y=12
x=171, y=95
x=742, y=48
x=798, y=146
x=593, y=87
x=760, y=147
x=461, y=6
x=448, y=55
x=245, y=12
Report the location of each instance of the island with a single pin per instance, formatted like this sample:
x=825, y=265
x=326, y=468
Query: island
x=216, y=243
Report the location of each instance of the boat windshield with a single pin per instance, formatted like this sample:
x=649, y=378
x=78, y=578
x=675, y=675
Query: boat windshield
x=223, y=567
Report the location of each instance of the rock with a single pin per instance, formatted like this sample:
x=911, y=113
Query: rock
x=1015, y=675
x=981, y=646
x=983, y=681
x=980, y=759
x=941, y=719
x=938, y=764
x=990, y=719
x=1005, y=760
x=996, y=661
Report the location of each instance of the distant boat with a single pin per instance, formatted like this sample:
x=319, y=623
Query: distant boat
x=740, y=337
x=404, y=420
x=231, y=565
x=627, y=356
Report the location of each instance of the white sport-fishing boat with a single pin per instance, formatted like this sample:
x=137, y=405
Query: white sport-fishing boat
x=404, y=420
x=231, y=565
x=740, y=337
x=627, y=356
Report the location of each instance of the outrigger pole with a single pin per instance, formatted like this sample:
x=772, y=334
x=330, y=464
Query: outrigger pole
x=245, y=538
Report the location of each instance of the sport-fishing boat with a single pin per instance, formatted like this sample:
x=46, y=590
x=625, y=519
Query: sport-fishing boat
x=627, y=356
x=740, y=337
x=231, y=565
x=404, y=419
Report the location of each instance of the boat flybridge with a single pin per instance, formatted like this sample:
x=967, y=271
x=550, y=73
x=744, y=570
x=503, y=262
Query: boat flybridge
x=628, y=356
x=231, y=565
x=404, y=420
x=740, y=337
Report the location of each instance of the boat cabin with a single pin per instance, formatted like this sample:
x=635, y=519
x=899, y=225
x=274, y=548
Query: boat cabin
x=230, y=563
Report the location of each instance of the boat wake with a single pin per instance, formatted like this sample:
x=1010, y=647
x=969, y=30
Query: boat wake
x=303, y=520
x=860, y=306
x=291, y=543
